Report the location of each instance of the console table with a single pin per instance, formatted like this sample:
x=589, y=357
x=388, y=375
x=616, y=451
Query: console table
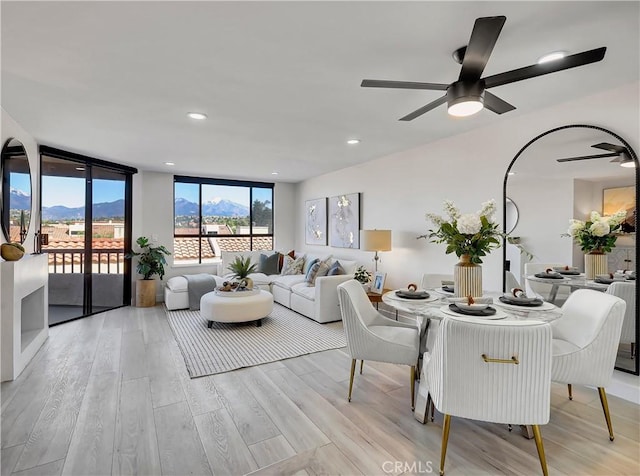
x=24, y=315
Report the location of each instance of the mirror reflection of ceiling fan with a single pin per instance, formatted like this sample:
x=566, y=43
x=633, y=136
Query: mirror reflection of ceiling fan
x=621, y=155
x=468, y=95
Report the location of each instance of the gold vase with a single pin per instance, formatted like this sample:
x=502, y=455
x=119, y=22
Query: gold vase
x=595, y=263
x=467, y=278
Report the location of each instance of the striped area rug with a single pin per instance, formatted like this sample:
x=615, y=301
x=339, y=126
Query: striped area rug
x=228, y=346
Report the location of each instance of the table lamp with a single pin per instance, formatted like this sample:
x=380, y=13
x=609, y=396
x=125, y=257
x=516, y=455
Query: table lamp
x=375, y=240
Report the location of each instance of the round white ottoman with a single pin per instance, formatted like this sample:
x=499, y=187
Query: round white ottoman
x=236, y=308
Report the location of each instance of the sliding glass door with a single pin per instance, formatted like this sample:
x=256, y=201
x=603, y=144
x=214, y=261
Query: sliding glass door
x=86, y=244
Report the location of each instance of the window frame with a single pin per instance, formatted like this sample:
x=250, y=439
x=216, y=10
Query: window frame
x=200, y=181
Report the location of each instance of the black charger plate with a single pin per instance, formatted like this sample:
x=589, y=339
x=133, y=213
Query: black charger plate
x=514, y=302
x=448, y=289
x=412, y=294
x=548, y=276
x=489, y=311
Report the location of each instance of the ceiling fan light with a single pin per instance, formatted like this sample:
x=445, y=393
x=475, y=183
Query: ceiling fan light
x=556, y=55
x=465, y=99
x=628, y=163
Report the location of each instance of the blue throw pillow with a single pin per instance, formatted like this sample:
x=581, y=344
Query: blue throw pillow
x=335, y=269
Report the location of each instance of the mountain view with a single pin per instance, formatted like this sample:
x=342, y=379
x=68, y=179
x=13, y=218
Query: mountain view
x=216, y=207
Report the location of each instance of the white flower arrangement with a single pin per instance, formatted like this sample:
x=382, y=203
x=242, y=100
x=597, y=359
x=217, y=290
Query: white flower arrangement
x=597, y=234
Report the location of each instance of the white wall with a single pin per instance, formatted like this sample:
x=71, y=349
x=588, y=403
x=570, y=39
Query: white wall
x=153, y=217
x=10, y=128
x=397, y=190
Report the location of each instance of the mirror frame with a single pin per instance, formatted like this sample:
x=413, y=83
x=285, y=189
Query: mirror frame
x=5, y=191
x=634, y=156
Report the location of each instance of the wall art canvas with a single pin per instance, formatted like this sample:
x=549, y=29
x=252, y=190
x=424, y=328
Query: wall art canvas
x=614, y=199
x=344, y=221
x=316, y=221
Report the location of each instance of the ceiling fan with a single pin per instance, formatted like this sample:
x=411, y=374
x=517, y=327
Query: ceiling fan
x=469, y=94
x=621, y=154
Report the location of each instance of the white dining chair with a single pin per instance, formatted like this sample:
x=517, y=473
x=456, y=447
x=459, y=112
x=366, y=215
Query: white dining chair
x=434, y=281
x=627, y=292
x=585, y=342
x=372, y=336
x=511, y=281
x=494, y=371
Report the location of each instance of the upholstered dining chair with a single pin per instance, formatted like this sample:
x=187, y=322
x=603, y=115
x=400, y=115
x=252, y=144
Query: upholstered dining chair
x=511, y=281
x=430, y=280
x=371, y=336
x=494, y=371
x=585, y=342
x=627, y=292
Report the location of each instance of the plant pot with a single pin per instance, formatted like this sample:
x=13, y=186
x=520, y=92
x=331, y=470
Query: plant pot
x=146, y=293
x=467, y=278
x=595, y=263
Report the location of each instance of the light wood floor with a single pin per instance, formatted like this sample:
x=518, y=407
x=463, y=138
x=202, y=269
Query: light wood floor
x=110, y=394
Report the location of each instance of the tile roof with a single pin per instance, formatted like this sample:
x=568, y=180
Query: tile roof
x=244, y=243
x=187, y=248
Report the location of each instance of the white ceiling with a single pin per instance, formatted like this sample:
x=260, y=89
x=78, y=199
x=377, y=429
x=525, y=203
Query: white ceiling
x=280, y=81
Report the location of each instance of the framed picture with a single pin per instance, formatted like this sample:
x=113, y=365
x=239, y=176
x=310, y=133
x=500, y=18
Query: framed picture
x=344, y=221
x=614, y=199
x=378, y=283
x=315, y=230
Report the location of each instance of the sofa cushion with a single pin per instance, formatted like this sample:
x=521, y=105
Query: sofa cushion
x=281, y=256
x=285, y=282
x=178, y=284
x=307, y=292
x=335, y=269
x=308, y=264
x=320, y=268
x=292, y=266
x=348, y=266
x=268, y=264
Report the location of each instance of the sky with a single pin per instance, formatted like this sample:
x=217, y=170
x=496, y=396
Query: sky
x=189, y=191
x=21, y=182
x=69, y=191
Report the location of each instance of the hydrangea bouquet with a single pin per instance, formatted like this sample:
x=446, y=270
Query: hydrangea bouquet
x=597, y=234
x=472, y=234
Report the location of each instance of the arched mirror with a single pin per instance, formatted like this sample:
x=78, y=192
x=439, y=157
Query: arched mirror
x=16, y=191
x=564, y=174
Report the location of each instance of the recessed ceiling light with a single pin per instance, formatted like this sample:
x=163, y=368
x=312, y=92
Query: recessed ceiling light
x=353, y=141
x=274, y=173
x=556, y=55
x=169, y=163
x=197, y=115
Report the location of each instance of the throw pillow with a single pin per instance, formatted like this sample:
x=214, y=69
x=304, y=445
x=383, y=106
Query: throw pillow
x=291, y=253
x=336, y=269
x=269, y=264
x=292, y=266
x=308, y=264
x=318, y=269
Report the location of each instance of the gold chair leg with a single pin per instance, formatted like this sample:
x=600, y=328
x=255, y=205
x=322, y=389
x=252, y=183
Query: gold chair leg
x=570, y=391
x=605, y=407
x=361, y=365
x=445, y=440
x=353, y=371
x=543, y=460
x=413, y=387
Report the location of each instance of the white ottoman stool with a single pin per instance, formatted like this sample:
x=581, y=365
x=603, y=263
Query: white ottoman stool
x=236, y=307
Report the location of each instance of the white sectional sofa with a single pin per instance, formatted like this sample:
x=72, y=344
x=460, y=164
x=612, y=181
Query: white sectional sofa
x=318, y=302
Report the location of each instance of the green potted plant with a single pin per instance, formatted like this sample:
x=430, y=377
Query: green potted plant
x=362, y=276
x=151, y=261
x=242, y=268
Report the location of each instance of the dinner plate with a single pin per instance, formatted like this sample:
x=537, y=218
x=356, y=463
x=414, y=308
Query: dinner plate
x=395, y=297
x=545, y=306
x=519, y=301
x=471, y=307
x=548, y=276
x=499, y=314
x=448, y=289
x=405, y=293
x=572, y=272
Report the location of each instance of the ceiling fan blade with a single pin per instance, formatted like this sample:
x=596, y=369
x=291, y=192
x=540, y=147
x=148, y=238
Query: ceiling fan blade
x=572, y=61
x=423, y=109
x=598, y=156
x=612, y=147
x=381, y=83
x=483, y=38
x=495, y=104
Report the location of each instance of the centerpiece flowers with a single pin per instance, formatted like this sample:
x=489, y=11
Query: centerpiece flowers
x=597, y=234
x=471, y=236
x=596, y=237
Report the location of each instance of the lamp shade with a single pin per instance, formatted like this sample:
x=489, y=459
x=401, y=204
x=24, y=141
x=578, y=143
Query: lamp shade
x=375, y=240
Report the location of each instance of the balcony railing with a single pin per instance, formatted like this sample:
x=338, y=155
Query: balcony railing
x=70, y=260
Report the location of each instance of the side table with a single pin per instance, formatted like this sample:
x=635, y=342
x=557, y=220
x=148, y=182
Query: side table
x=377, y=298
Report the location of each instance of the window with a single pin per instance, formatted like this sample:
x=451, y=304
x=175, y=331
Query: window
x=215, y=215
